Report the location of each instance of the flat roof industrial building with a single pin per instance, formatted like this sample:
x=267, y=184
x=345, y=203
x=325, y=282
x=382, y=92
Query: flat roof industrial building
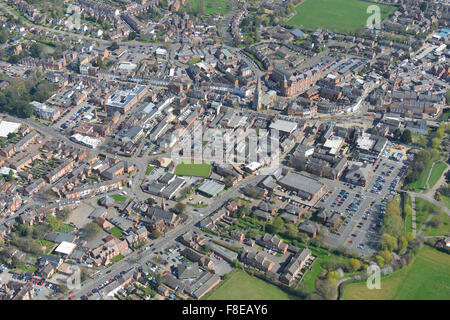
x=305, y=187
x=211, y=188
x=284, y=126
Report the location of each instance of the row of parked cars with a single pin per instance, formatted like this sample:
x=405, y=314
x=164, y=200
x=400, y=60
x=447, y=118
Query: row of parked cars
x=75, y=118
x=35, y=281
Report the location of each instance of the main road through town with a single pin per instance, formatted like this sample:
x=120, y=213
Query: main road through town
x=139, y=257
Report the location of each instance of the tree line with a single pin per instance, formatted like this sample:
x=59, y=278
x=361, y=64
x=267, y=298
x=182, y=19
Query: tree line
x=16, y=98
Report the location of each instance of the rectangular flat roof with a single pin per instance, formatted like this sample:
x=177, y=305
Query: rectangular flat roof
x=7, y=127
x=66, y=248
x=301, y=182
x=211, y=187
x=283, y=125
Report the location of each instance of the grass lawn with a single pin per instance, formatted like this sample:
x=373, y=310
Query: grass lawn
x=443, y=230
x=116, y=231
x=49, y=246
x=423, y=209
x=117, y=258
x=211, y=6
x=118, y=198
x=149, y=169
x=419, y=185
x=427, y=278
x=241, y=286
x=193, y=169
x=446, y=201
x=335, y=15
x=23, y=269
x=436, y=173
x=311, y=276
x=66, y=228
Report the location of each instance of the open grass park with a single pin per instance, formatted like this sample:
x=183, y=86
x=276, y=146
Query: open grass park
x=242, y=286
x=211, y=6
x=427, y=278
x=335, y=15
x=193, y=169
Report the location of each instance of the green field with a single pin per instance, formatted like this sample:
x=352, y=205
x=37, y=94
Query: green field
x=335, y=15
x=423, y=209
x=446, y=201
x=241, y=286
x=211, y=6
x=116, y=231
x=193, y=169
x=436, y=173
x=427, y=278
x=118, y=198
x=419, y=185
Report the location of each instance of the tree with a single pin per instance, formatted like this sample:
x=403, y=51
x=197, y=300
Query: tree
x=54, y=223
x=393, y=208
x=242, y=211
x=326, y=289
x=292, y=231
x=36, y=50
x=437, y=222
x=304, y=238
x=156, y=234
x=406, y=136
x=409, y=236
x=228, y=181
x=276, y=226
x=435, y=142
x=180, y=207
x=402, y=243
x=380, y=261
x=393, y=225
x=132, y=35
x=423, y=6
x=407, y=210
x=14, y=59
x=355, y=264
x=40, y=230
x=23, y=230
x=397, y=134
x=11, y=176
x=63, y=214
x=333, y=277
x=388, y=242
x=90, y=230
x=387, y=256
x=3, y=38
x=151, y=201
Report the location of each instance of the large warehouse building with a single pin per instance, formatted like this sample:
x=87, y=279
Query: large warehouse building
x=304, y=186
